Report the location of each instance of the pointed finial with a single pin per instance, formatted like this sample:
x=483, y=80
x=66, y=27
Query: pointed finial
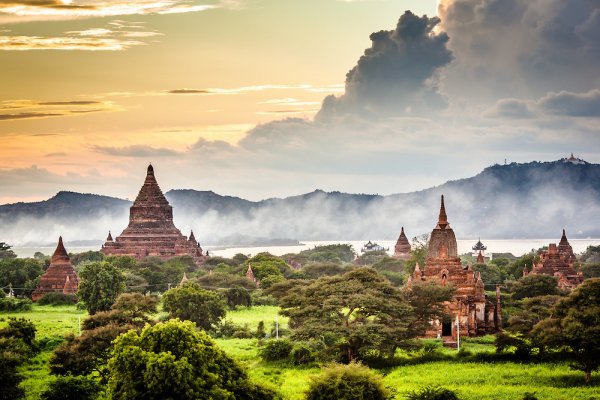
x=443, y=218
x=192, y=237
x=150, y=169
x=109, y=238
x=60, y=249
x=402, y=231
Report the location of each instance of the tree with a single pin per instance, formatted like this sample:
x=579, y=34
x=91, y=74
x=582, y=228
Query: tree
x=72, y=387
x=332, y=253
x=173, y=360
x=21, y=273
x=590, y=270
x=99, y=286
x=359, y=313
x=427, y=300
x=317, y=270
x=89, y=352
x=16, y=346
x=6, y=252
x=191, y=302
x=348, y=382
x=418, y=252
x=238, y=296
x=575, y=324
x=533, y=286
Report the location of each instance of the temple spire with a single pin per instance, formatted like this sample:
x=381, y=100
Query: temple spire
x=60, y=253
x=150, y=169
x=109, y=238
x=443, y=218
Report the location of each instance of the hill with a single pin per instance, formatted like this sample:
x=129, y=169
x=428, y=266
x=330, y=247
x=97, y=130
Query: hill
x=530, y=200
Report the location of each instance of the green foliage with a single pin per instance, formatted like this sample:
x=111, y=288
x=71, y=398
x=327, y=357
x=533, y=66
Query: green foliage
x=533, y=310
x=591, y=255
x=354, y=314
x=9, y=304
x=21, y=273
x=281, y=289
x=275, y=349
x=396, y=278
x=91, y=255
x=529, y=396
x=72, y=387
x=267, y=265
x=493, y=273
x=371, y=257
x=348, y=382
x=389, y=264
x=22, y=329
x=174, y=360
x=575, y=324
x=515, y=269
x=304, y=352
x=260, y=330
x=99, y=286
x=427, y=301
x=432, y=393
x=418, y=252
x=333, y=253
x=533, y=286
x=160, y=273
x=317, y=270
x=57, y=299
x=191, y=302
x=90, y=351
x=6, y=251
x=225, y=281
x=590, y=270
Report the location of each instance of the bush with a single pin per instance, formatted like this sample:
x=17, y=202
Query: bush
x=347, y=382
x=57, y=299
x=529, y=396
x=274, y=350
x=303, y=353
x=259, y=300
x=72, y=387
x=432, y=393
x=10, y=304
x=238, y=296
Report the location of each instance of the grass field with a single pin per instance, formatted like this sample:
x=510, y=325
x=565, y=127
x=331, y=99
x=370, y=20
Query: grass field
x=471, y=380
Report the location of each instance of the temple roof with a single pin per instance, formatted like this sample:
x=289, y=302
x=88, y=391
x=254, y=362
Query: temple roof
x=443, y=218
x=563, y=240
x=150, y=194
x=60, y=254
x=479, y=245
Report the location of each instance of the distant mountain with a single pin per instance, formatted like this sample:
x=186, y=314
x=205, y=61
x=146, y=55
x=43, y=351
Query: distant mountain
x=531, y=200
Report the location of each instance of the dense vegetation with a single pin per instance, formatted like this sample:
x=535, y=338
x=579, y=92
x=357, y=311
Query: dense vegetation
x=323, y=304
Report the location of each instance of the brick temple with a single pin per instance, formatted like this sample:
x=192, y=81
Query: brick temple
x=477, y=314
x=402, y=248
x=59, y=277
x=558, y=261
x=151, y=232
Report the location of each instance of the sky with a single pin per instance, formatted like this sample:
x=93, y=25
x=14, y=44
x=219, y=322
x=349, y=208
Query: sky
x=271, y=98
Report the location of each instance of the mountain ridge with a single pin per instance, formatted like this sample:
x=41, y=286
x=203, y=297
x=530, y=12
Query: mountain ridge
x=502, y=201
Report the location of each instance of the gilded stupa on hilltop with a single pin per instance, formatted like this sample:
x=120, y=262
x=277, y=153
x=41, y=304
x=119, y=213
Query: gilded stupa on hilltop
x=151, y=232
x=59, y=277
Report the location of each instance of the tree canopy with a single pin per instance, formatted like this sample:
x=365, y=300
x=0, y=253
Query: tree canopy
x=359, y=313
x=173, y=360
x=191, y=302
x=99, y=286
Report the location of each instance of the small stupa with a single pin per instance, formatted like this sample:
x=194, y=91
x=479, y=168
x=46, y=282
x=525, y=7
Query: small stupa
x=59, y=277
x=402, y=248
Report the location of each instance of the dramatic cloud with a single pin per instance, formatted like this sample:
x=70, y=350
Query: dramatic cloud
x=397, y=74
x=520, y=48
x=573, y=104
x=44, y=109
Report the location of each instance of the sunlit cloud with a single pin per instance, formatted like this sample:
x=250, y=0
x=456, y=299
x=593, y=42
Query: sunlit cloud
x=29, y=10
x=24, y=43
x=30, y=109
x=290, y=101
x=256, y=88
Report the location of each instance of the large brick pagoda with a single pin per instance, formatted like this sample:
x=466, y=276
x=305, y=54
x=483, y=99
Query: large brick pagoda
x=151, y=232
x=59, y=277
x=476, y=313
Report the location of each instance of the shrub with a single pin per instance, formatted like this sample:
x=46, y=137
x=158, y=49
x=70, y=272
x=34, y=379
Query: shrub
x=274, y=350
x=238, y=296
x=10, y=304
x=432, y=393
x=347, y=382
x=72, y=387
x=57, y=299
x=303, y=353
x=529, y=396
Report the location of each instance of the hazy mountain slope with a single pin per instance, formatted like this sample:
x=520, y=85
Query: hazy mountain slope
x=503, y=201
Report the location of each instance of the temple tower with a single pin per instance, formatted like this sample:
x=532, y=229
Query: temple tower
x=59, y=277
x=402, y=248
x=479, y=250
x=151, y=231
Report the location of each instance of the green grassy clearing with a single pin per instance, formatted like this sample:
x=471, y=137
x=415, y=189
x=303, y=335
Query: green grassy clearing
x=471, y=380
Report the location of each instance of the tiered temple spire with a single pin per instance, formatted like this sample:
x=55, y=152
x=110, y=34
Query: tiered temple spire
x=60, y=275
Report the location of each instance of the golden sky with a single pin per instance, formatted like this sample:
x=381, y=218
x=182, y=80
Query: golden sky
x=93, y=90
